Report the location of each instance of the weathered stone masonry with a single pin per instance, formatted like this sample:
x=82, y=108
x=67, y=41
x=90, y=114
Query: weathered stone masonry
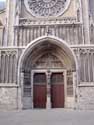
x=72, y=30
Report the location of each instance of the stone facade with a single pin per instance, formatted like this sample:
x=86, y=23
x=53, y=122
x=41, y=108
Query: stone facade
x=86, y=99
x=59, y=38
x=8, y=97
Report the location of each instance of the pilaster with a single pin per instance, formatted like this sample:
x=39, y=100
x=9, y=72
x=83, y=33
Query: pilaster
x=10, y=16
x=85, y=18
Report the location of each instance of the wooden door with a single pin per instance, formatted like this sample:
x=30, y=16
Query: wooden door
x=39, y=90
x=57, y=90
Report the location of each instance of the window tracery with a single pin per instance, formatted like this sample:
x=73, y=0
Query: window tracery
x=45, y=8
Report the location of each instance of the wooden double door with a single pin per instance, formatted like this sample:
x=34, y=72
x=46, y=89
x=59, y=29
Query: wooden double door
x=56, y=90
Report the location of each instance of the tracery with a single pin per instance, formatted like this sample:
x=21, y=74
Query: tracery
x=46, y=7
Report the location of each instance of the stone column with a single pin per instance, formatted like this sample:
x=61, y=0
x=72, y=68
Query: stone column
x=10, y=16
x=48, y=103
x=20, y=91
x=75, y=89
x=85, y=18
x=0, y=65
x=32, y=75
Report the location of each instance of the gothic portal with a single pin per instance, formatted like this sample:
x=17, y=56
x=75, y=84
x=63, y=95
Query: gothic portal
x=45, y=66
x=47, y=54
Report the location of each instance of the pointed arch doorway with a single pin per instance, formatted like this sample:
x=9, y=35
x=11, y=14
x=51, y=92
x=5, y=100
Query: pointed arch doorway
x=43, y=68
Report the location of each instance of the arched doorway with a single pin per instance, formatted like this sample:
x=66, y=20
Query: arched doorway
x=43, y=71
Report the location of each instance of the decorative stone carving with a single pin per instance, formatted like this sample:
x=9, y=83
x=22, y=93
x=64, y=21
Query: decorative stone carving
x=46, y=8
x=7, y=52
x=48, y=61
x=83, y=50
x=65, y=20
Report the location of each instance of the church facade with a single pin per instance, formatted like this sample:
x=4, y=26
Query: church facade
x=47, y=54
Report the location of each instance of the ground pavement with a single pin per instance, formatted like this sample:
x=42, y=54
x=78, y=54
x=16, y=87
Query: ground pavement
x=47, y=117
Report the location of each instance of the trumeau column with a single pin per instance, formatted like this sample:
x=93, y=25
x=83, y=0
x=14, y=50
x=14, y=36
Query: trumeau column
x=10, y=15
x=85, y=18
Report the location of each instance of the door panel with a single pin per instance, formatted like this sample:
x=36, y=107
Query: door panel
x=57, y=90
x=39, y=90
x=39, y=96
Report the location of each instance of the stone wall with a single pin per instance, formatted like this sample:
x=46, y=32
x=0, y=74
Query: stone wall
x=21, y=29
x=8, y=65
x=85, y=63
x=8, y=97
x=86, y=97
x=71, y=33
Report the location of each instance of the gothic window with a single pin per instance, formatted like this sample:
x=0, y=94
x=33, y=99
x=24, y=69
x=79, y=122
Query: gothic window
x=45, y=8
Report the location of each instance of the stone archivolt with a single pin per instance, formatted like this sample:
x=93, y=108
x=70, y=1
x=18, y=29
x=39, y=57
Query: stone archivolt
x=46, y=8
